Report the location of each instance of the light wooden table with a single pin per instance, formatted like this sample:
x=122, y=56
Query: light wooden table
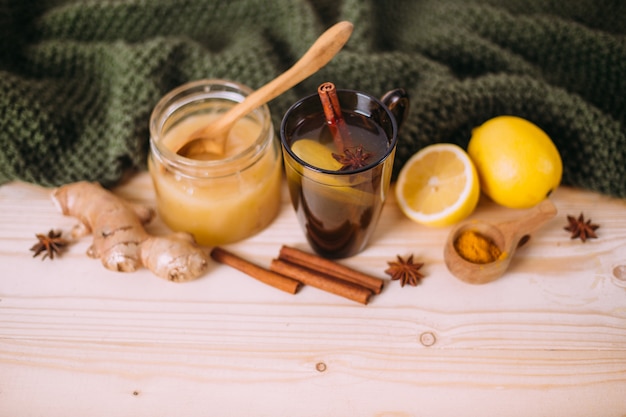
x=547, y=339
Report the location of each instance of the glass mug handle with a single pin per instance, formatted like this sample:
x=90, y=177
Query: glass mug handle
x=398, y=103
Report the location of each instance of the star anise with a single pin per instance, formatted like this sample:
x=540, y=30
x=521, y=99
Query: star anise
x=50, y=244
x=405, y=271
x=352, y=158
x=580, y=228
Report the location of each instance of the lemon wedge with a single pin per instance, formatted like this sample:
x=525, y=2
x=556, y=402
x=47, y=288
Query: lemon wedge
x=438, y=186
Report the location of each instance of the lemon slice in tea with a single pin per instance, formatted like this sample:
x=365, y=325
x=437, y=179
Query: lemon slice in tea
x=316, y=154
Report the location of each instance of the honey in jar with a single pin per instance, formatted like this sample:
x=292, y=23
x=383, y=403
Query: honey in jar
x=219, y=199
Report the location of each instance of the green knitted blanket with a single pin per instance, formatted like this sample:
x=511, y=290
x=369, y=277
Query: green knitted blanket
x=79, y=78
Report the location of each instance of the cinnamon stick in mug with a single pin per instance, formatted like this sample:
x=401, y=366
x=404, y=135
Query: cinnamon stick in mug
x=334, y=117
x=326, y=266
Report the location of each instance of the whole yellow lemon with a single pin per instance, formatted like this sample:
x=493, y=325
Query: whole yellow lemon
x=518, y=165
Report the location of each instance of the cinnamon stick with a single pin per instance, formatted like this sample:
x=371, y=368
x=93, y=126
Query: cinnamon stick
x=328, y=267
x=261, y=274
x=334, y=117
x=321, y=281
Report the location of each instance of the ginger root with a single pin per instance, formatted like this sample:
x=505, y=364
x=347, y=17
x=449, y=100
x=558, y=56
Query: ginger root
x=119, y=238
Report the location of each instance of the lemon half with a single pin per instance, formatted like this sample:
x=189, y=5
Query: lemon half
x=438, y=186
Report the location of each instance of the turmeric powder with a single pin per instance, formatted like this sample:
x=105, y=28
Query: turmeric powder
x=477, y=248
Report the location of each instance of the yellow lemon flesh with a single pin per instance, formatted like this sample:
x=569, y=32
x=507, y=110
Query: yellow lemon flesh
x=340, y=187
x=438, y=186
x=316, y=154
x=518, y=164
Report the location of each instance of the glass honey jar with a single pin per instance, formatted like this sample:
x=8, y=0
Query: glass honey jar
x=219, y=199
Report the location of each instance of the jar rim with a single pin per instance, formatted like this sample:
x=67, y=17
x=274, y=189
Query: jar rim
x=198, y=91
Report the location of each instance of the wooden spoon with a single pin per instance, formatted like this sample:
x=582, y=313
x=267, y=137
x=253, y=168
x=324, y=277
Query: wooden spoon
x=212, y=139
x=507, y=236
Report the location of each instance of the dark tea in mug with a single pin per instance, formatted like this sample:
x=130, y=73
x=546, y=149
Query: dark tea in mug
x=338, y=194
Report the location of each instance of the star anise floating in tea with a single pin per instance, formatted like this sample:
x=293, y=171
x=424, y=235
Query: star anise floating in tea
x=352, y=158
x=580, y=228
x=50, y=244
x=405, y=271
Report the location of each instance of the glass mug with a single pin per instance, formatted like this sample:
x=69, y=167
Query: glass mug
x=337, y=209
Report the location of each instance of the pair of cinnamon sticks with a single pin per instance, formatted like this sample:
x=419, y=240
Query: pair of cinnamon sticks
x=294, y=268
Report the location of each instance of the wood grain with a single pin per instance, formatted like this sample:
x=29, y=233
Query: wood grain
x=548, y=338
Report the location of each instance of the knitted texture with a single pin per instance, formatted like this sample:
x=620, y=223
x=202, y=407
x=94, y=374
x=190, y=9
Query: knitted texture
x=79, y=79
